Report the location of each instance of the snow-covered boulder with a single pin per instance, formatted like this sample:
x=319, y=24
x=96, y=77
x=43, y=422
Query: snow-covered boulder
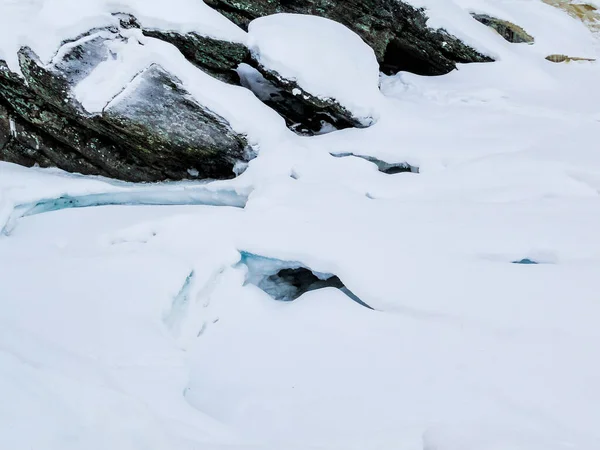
x=317, y=73
x=132, y=120
x=508, y=30
x=397, y=32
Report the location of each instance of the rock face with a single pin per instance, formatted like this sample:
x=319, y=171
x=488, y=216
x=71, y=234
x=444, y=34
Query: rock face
x=397, y=32
x=304, y=113
x=152, y=131
x=508, y=30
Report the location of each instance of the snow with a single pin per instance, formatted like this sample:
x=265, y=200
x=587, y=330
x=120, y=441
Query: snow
x=130, y=324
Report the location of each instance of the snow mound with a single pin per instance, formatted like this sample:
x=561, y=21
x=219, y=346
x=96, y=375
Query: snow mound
x=324, y=57
x=43, y=24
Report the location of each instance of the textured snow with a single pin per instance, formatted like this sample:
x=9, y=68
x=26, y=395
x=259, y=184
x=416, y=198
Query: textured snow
x=132, y=326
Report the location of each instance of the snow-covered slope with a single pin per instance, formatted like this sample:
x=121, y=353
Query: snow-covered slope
x=134, y=323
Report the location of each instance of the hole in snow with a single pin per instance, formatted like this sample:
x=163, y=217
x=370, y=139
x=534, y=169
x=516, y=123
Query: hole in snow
x=286, y=281
x=525, y=261
x=384, y=167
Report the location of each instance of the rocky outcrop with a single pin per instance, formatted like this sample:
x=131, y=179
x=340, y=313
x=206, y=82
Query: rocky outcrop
x=396, y=31
x=217, y=58
x=154, y=130
x=508, y=30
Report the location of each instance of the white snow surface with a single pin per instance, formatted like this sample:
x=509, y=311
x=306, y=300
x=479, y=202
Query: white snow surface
x=131, y=327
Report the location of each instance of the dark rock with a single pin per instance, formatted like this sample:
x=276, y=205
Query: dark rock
x=303, y=112
x=60, y=134
x=217, y=58
x=127, y=21
x=396, y=31
x=21, y=143
x=160, y=115
x=154, y=132
x=508, y=30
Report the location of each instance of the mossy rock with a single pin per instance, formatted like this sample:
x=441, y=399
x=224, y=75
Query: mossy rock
x=508, y=30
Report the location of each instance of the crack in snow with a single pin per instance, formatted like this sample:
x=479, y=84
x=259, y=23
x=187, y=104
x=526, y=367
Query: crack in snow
x=192, y=197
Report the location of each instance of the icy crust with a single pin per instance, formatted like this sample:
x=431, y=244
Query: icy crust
x=344, y=67
x=53, y=190
x=44, y=24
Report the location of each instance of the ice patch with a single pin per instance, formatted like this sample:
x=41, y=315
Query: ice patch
x=204, y=196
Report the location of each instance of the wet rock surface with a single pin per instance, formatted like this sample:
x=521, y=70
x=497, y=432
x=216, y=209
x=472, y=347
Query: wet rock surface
x=397, y=32
x=215, y=57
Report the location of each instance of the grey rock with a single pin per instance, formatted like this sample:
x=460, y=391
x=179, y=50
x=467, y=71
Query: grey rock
x=160, y=115
x=156, y=131
x=215, y=57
